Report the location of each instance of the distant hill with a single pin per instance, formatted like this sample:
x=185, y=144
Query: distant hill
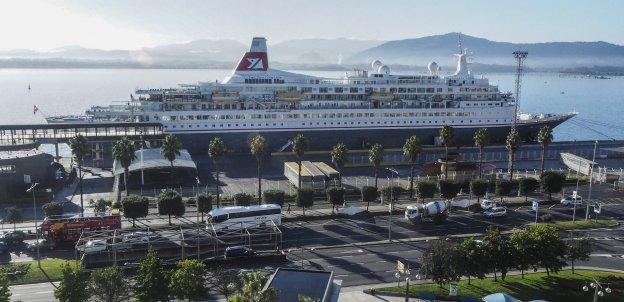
x=327, y=51
x=440, y=48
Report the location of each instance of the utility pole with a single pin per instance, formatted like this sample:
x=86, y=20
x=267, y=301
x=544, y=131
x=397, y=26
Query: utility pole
x=591, y=180
x=32, y=190
x=520, y=57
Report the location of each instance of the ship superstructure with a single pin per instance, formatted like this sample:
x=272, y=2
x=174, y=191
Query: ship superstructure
x=360, y=108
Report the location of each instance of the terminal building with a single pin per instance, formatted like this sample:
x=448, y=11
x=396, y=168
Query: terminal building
x=150, y=169
x=19, y=168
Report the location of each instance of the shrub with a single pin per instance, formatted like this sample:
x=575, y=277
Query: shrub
x=426, y=189
x=204, y=202
x=546, y=218
x=191, y=201
x=305, y=198
x=392, y=191
x=273, y=197
x=552, y=182
x=335, y=196
x=170, y=203
x=478, y=187
x=135, y=207
x=369, y=194
x=503, y=188
x=527, y=186
x=448, y=189
x=53, y=208
x=242, y=199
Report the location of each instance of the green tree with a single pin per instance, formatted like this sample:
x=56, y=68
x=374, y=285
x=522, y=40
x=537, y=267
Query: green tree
x=259, y=148
x=13, y=215
x=303, y=298
x=478, y=187
x=498, y=252
x=512, y=144
x=440, y=262
x=123, y=152
x=134, y=207
x=170, y=203
x=578, y=250
x=527, y=186
x=170, y=149
x=481, y=140
x=151, y=280
x=411, y=150
x=471, y=259
x=544, y=138
x=447, y=133
x=552, y=182
x=216, y=150
x=187, y=280
x=369, y=194
x=523, y=249
x=375, y=156
x=550, y=248
x=305, y=198
x=503, y=189
x=5, y=290
x=392, y=193
x=224, y=281
x=79, y=148
x=300, y=146
x=100, y=206
x=426, y=189
x=339, y=158
x=448, y=189
x=252, y=289
x=204, y=204
x=335, y=196
x=242, y=199
x=109, y=285
x=274, y=197
x=53, y=208
x=73, y=285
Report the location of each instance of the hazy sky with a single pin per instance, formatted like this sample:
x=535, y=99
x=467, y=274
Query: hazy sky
x=110, y=24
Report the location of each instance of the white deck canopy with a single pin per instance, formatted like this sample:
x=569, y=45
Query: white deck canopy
x=153, y=159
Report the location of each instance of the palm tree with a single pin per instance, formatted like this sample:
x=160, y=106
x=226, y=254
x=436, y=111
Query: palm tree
x=411, y=150
x=123, y=151
x=544, y=138
x=481, y=140
x=216, y=149
x=251, y=289
x=512, y=144
x=259, y=148
x=79, y=147
x=375, y=156
x=299, y=147
x=446, y=135
x=339, y=158
x=170, y=149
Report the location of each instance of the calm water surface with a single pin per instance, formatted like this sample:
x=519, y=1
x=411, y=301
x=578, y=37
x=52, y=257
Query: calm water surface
x=71, y=91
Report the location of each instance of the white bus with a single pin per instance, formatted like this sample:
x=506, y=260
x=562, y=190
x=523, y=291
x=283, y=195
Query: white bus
x=244, y=217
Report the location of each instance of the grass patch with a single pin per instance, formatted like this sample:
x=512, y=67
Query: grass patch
x=563, y=286
x=583, y=224
x=50, y=271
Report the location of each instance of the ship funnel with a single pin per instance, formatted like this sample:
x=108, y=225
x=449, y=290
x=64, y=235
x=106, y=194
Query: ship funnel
x=256, y=58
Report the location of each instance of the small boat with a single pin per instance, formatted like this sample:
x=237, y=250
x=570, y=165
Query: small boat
x=28, y=86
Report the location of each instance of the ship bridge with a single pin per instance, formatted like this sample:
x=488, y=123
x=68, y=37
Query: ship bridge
x=62, y=132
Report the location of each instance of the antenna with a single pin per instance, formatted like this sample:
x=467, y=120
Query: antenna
x=520, y=57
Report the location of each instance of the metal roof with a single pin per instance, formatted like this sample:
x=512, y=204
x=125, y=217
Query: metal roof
x=290, y=283
x=153, y=159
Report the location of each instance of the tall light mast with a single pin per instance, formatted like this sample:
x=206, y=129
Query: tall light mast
x=520, y=57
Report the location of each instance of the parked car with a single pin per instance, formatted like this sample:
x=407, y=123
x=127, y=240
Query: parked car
x=3, y=248
x=238, y=251
x=570, y=201
x=13, y=237
x=43, y=244
x=495, y=212
x=93, y=246
x=487, y=204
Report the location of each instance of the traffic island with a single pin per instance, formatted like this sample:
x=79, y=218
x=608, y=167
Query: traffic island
x=562, y=286
x=584, y=224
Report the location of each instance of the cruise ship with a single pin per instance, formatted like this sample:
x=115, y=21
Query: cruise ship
x=361, y=108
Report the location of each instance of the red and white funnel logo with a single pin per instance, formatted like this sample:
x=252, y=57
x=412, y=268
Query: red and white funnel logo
x=253, y=61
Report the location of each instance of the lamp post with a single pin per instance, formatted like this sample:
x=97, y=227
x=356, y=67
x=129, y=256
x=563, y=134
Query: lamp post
x=407, y=274
x=591, y=180
x=599, y=289
x=32, y=190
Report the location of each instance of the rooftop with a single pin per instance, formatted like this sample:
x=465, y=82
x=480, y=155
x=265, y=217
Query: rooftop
x=290, y=283
x=152, y=159
x=19, y=153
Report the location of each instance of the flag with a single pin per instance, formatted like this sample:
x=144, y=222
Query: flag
x=35, y=109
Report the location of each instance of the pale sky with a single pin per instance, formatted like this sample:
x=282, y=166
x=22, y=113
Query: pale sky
x=131, y=24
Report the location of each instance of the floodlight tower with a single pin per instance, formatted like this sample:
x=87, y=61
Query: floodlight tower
x=520, y=57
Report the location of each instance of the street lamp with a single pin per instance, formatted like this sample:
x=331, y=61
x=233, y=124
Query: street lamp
x=599, y=289
x=32, y=190
x=407, y=274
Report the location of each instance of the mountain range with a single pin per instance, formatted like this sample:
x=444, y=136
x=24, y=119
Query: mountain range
x=330, y=54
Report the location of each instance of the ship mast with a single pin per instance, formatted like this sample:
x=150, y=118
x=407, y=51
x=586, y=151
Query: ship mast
x=520, y=57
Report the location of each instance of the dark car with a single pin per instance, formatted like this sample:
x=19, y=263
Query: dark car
x=14, y=237
x=238, y=251
x=3, y=248
x=44, y=245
